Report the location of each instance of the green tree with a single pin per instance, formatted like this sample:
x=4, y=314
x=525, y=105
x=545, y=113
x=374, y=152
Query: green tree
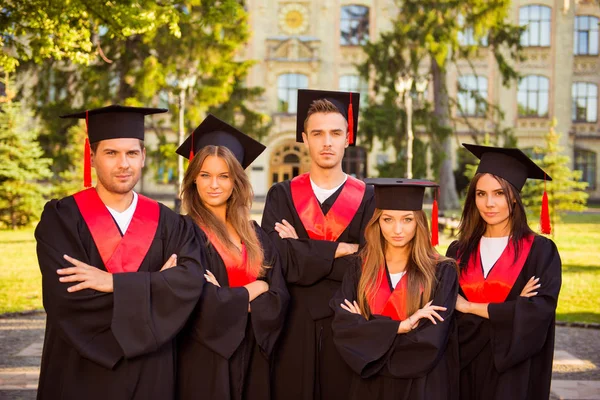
x=565, y=191
x=22, y=168
x=68, y=30
x=426, y=32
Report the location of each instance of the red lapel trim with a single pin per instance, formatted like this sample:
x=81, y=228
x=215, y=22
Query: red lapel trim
x=387, y=302
x=238, y=273
x=119, y=253
x=501, y=279
x=331, y=226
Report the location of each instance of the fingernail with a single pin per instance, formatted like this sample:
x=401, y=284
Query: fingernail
x=58, y=271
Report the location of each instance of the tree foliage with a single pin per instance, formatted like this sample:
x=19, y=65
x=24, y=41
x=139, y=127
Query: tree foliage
x=22, y=168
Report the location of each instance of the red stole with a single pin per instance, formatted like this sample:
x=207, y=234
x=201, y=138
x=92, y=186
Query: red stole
x=499, y=282
x=387, y=302
x=330, y=226
x=238, y=272
x=119, y=253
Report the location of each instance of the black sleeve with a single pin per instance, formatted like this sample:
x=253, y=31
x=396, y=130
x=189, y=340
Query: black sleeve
x=269, y=309
x=150, y=308
x=520, y=327
x=221, y=315
x=305, y=261
x=83, y=318
x=359, y=342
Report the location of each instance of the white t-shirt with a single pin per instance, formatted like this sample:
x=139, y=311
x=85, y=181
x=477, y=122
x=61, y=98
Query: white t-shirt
x=324, y=194
x=124, y=218
x=395, y=278
x=491, y=249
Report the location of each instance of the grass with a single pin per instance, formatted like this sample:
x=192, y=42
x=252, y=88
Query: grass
x=20, y=278
x=577, y=238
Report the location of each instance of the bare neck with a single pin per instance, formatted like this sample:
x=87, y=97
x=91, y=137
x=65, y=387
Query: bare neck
x=327, y=178
x=498, y=230
x=397, y=258
x=117, y=201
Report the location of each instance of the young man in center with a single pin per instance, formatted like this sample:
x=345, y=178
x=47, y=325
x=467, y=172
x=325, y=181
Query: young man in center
x=315, y=220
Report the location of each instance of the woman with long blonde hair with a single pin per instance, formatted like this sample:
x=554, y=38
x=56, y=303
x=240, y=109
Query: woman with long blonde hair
x=509, y=281
x=394, y=312
x=225, y=349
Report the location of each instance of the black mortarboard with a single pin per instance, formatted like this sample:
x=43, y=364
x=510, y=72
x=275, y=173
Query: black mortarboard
x=398, y=193
x=111, y=122
x=213, y=131
x=115, y=121
x=405, y=194
x=508, y=163
x=346, y=102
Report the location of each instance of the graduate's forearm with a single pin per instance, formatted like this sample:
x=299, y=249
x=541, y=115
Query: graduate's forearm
x=479, y=309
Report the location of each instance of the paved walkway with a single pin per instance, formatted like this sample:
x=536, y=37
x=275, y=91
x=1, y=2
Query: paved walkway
x=576, y=359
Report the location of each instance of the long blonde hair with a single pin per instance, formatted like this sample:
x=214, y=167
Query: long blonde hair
x=238, y=205
x=420, y=270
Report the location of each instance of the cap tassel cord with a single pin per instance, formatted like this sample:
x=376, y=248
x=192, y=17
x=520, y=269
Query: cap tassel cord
x=350, y=122
x=192, y=149
x=87, y=154
x=545, y=226
x=434, y=222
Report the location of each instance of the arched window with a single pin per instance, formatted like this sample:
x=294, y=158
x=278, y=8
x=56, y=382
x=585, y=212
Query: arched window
x=585, y=161
x=466, y=36
x=472, y=91
x=354, y=25
x=585, y=102
x=287, y=91
x=586, y=35
x=354, y=83
x=533, y=95
x=537, y=19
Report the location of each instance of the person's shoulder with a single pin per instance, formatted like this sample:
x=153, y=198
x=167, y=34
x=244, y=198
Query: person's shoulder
x=63, y=206
x=543, y=243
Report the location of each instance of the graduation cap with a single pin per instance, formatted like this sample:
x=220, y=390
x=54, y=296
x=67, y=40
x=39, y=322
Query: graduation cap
x=405, y=194
x=514, y=166
x=347, y=104
x=111, y=122
x=213, y=131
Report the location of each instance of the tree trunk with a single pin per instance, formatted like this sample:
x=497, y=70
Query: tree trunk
x=448, y=199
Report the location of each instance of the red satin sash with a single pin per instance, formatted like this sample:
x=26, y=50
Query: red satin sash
x=499, y=282
x=330, y=226
x=238, y=272
x=387, y=302
x=119, y=253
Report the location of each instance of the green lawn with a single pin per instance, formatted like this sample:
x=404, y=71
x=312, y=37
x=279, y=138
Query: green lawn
x=577, y=238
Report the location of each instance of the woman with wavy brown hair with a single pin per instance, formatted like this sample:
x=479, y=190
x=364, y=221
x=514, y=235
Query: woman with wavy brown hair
x=393, y=314
x=225, y=349
x=509, y=284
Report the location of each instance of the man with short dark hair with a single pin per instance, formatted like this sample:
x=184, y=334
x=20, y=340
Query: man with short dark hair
x=316, y=220
x=112, y=311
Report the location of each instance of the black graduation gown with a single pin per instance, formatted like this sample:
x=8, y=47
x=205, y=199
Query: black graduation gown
x=421, y=364
x=114, y=345
x=307, y=365
x=224, y=352
x=509, y=355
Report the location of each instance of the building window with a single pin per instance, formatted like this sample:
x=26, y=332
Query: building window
x=472, y=93
x=354, y=25
x=533, y=96
x=354, y=83
x=585, y=161
x=585, y=102
x=586, y=35
x=537, y=19
x=355, y=162
x=535, y=154
x=287, y=91
x=466, y=36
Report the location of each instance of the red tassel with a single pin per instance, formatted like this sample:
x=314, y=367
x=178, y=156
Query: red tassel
x=545, y=215
x=87, y=155
x=191, y=157
x=434, y=224
x=87, y=167
x=350, y=122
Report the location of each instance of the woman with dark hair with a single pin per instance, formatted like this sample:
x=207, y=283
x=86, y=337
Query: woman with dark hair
x=393, y=321
x=225, y=349
x=509, y=284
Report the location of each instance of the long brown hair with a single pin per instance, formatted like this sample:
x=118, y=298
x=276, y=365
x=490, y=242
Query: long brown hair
x=420, y=270
x=238, y=205
x=472, y=225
